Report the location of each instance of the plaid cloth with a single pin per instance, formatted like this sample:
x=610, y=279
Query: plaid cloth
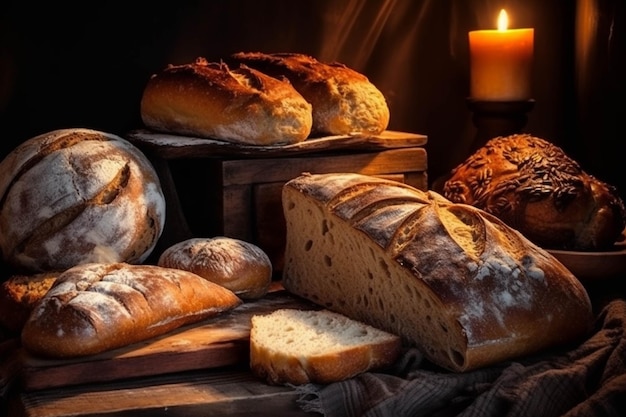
x=589, y=380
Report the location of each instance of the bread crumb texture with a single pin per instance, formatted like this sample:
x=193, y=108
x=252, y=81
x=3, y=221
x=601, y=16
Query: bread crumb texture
x=300, y=346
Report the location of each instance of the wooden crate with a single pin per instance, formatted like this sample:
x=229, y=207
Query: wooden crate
x=233, y=190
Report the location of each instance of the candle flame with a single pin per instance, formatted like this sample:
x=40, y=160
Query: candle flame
x=503, y=20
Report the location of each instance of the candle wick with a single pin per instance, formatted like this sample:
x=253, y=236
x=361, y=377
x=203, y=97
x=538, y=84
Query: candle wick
x=503, y=20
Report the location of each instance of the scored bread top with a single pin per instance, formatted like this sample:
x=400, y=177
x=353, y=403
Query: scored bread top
x=344, y=100
x=72, y=196
x=240, y=105
x=96, y=307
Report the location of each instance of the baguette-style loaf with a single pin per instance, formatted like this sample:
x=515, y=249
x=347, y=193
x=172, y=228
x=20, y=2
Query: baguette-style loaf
x=75, y=196
x=210, y=100
x=92, y=308
x=456, y=282
x=534, y=187
x=317, y=346
x=344, y=100
x=240, y=266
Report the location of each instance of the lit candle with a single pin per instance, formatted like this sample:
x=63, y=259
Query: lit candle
x=500, y=62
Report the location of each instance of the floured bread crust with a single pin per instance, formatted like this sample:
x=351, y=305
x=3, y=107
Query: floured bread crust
x=240, y=266
x=74, y=196
x=454, y=281
x=92, y=308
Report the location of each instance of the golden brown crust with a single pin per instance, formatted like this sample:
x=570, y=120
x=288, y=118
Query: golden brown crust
x=92, y=308
x=534, y=187
x=344, y=100
x=240, y=266
x=18, y=296
x=211, y=100
x=455, y=281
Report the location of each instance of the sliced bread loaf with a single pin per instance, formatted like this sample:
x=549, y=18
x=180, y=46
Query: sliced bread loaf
x=319, y=346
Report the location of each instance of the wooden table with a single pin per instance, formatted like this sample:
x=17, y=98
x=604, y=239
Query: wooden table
x=200, y=369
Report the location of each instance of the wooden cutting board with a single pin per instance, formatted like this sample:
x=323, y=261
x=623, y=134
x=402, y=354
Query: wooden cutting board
x=216, y=342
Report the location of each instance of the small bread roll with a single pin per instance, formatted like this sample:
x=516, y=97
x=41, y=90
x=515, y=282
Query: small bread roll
x=239, y=266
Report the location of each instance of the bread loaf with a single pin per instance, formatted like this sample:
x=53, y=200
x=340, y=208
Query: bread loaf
x=92, y=308
x=19, y=295
x=240, y=266
x=344, y=101
x=239, y=105
x=454, y=281
x=74, y=196
x=534, y=187
x=318, y=346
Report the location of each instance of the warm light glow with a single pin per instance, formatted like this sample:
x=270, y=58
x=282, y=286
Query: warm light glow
x=503, y=20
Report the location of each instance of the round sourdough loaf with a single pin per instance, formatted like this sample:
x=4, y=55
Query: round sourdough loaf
x=344, y=101
x=533, y=186
x=74, y=196
x=240, y=105
x=240, y=266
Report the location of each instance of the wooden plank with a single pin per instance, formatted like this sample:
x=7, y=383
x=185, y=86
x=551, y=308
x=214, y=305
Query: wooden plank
x=232, y=392
x=239, y=172
x=171, y=146
x=237, y=207
x=216, y=342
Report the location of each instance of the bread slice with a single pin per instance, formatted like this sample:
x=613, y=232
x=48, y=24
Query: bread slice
x=450, y=279
x=319, y=346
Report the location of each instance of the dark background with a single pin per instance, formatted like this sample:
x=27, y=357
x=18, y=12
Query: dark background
x=85, y=64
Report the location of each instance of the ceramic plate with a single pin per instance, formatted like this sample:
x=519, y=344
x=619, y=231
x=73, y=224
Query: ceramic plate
x=595, y=265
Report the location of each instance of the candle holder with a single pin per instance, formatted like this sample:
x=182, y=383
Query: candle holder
x=492, y=119
x=497, y=118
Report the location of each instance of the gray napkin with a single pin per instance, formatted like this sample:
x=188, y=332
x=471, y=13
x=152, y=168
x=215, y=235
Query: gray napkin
x=589, y=380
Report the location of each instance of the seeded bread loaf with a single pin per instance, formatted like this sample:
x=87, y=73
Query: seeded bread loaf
x=454, y=281
x=534, y=187
x=74, y=196
x=318, y=346
x=211, y=100
x=235, y=264
x=92, y=308
x=344, y=101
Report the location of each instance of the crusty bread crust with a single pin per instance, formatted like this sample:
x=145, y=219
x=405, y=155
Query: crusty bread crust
x=18, y=296
x=73, y=196
x=534, y=187
x=239, y=105
x=316, y=346
x=92, y=308
x=240, y=266
x=344, y=100
x=456, y=282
